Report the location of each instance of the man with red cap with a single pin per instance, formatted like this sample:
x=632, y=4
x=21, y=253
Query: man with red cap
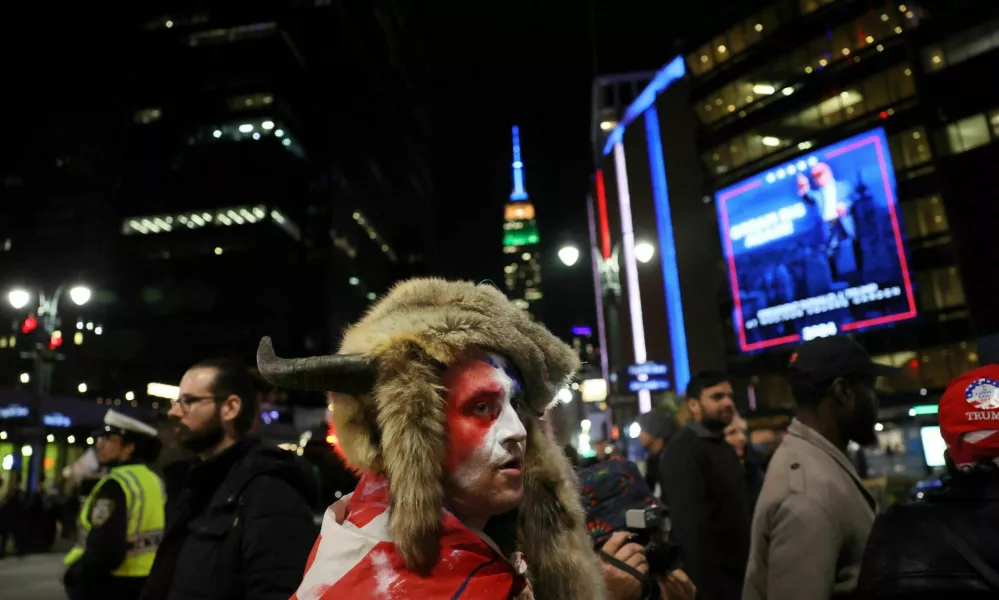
x=944, y=547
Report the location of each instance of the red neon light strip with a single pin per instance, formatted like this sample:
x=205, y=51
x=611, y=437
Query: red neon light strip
x=605, y=239
x=898, y=245
x=733, y=278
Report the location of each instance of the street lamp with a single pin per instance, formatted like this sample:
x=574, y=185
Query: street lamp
x=644, y=252
x=19, y=298
x=568, y=255
x=47, y=309
x=80, y=294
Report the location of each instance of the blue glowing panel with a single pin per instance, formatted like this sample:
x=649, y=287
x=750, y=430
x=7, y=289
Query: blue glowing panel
x=814, y=246
x=667, y=249
x=518, y=169
x=673, y=70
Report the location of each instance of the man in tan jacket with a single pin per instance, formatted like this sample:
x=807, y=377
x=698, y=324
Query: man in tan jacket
x=813, y=516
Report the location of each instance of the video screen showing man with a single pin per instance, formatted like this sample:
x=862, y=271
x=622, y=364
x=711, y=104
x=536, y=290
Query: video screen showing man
x=815, y=247
x=833, y=199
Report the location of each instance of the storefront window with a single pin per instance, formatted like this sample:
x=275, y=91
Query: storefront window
x=967, y=134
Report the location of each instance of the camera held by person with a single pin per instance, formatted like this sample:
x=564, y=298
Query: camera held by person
x=630, y=531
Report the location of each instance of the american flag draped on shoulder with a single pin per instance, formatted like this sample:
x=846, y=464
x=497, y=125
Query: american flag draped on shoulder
x=357, y=561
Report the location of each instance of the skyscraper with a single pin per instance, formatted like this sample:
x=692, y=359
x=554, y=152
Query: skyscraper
x=254, y=197
x=521, y=242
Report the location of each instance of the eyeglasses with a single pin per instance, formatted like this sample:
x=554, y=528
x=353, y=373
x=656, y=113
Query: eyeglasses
x=185, y=402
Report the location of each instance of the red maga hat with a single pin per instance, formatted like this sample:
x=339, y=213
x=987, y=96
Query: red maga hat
x=969, y=416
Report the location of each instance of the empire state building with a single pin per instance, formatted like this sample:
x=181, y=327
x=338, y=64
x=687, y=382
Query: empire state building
x=522, y=273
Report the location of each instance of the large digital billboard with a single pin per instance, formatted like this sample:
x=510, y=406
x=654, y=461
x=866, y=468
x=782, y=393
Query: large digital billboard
x=815, y=246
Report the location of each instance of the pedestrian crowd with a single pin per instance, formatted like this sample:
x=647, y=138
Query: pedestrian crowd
x=440, y=399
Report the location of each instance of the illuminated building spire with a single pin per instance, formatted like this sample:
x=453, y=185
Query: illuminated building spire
x=518, y=192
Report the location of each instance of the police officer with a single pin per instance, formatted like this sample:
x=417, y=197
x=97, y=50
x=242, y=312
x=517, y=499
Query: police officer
x=121, y=523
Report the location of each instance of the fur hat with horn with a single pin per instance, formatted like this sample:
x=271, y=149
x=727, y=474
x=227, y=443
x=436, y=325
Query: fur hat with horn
x=389, y=415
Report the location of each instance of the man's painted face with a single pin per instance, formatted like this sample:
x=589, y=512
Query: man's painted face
x=486, y=439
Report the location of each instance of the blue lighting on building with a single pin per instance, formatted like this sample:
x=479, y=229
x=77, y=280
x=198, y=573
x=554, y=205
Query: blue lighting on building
x=674, y=70
x=518, y=169
x=667, y=249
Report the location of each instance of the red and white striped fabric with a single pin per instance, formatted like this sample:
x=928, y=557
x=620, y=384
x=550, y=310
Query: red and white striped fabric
x=357, y=561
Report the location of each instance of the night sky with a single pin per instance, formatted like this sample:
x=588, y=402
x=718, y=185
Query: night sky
x=493, y=65
x=532, y=64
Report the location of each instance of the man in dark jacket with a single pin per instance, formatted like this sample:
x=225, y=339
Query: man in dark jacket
x=703, y=484
x=946, y=546
x=238, y=518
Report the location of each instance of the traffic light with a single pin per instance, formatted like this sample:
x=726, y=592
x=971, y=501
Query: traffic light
x=29, y=325
x=56, y=340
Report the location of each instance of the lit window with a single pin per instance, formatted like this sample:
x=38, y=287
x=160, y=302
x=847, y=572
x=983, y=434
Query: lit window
x=250, y=101
x=968, y=133
x=914, y=147
x=993, y=121
x=940, y=288
x=232, y=34
x=924, y=217
x=147, y=116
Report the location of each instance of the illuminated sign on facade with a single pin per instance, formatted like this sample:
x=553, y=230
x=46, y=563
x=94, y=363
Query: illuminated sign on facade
x=57, y=420
x=815, y=246
x=14, y=411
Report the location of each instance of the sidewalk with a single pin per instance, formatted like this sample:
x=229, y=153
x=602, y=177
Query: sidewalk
x=33, y=577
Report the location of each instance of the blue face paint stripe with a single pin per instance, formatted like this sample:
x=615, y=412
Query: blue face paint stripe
x=509, y=369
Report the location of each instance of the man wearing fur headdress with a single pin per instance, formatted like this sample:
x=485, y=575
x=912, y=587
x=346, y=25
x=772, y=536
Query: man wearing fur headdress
x=438, y=393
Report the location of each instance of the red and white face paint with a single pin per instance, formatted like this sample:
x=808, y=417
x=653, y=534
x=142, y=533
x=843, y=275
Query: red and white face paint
x=486, y=439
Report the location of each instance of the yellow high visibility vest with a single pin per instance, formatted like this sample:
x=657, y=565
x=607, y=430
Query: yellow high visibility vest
x=144, y=502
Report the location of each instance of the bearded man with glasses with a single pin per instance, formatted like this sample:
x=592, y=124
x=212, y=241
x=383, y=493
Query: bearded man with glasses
x=239, y=521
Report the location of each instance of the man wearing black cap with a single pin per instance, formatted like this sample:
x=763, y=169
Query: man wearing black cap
x=122, y=521
x=656, y=428
x=813, y=517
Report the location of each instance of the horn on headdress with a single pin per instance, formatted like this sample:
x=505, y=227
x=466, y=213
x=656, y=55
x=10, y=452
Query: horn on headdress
x=343, y=373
